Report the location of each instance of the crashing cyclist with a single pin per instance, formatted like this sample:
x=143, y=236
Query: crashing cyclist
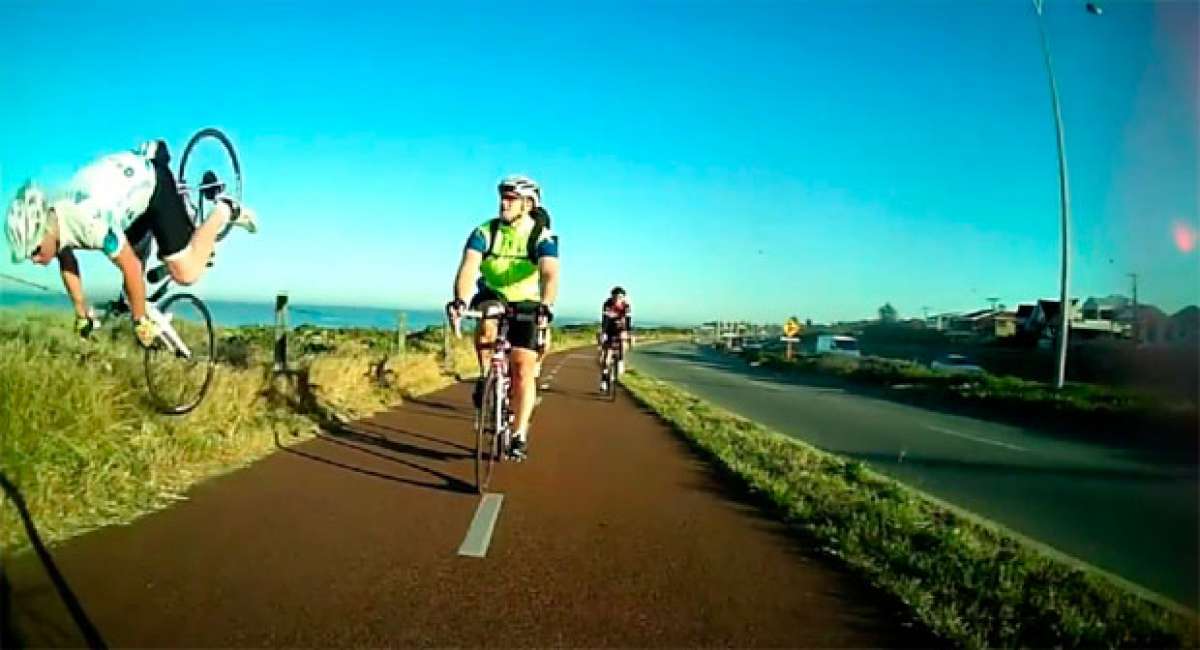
x=515, y=257
x=115, y=205
x=616, y=324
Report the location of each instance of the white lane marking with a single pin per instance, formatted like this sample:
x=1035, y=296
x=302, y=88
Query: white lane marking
x=479, y=535
x=967, y=436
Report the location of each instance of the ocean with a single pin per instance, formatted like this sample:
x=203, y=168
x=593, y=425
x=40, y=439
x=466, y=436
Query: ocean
x=230, y=313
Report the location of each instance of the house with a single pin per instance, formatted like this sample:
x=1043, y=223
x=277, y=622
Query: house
x=984, y=323
x=1046, y=314
x=1184, y=327
x=1104, y=317
x=941, y=322
x=1024, y=312
x=1151, y=325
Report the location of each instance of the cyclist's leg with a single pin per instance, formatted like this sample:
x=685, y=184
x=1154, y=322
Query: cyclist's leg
x=485, y=332
x=485, y=336
x=544, y=351
x=524, y=386
x=523, y=337
x=180, y=245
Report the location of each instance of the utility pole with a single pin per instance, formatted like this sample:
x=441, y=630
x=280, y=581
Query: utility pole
x=993, y=301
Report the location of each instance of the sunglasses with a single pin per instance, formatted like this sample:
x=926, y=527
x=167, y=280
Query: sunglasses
x=37, y=252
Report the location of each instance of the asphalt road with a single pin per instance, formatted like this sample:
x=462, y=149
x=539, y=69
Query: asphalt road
x=1130, y=512
x=613, y=534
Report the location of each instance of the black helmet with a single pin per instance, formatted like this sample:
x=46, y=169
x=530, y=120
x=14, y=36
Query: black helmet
x=618, y=291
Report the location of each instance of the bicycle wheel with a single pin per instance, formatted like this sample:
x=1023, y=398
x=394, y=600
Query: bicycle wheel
x=207, y=155
x=180, y=373
x=486, y=435
x=610, y=392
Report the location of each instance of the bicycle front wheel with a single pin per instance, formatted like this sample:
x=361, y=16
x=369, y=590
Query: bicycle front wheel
x=487, y=435
x=179, y=371
x=610, y=392
x=209, y=166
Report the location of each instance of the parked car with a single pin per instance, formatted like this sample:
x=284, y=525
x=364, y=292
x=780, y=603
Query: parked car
x=956, y=364
x=838, y=344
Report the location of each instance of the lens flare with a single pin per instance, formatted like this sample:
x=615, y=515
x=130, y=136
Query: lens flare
x=1185, y=236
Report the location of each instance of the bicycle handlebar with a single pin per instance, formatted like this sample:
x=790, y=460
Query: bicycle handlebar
x=479, y=315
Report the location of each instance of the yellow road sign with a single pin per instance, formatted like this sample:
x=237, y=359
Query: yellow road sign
x=792, y=327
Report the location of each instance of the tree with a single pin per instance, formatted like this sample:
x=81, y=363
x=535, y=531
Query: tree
x=887, y=313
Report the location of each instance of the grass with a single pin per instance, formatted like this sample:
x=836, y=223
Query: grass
x=81, y=441
x=971, y=584
x=1088, y=407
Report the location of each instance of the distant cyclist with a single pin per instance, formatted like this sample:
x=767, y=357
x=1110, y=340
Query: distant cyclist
x=113, y=205
x=616, y=324
x=515, y=256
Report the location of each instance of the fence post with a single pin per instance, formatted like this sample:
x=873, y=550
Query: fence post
x=447, y=365
x=281, y=327
x=402, y=335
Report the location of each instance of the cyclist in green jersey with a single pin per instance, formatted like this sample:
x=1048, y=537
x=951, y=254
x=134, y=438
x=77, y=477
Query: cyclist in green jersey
x=515, y=257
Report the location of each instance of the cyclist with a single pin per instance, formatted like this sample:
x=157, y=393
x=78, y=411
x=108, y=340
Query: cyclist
x=616, y=322
x=113, y=205
x=516, y=259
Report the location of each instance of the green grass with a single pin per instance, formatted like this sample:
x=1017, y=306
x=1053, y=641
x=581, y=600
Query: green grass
x=971, y=584
x=81, y=441
x=1078, y=406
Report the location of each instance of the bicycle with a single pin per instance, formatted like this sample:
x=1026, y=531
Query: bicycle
x=613, y=365
x=493, y=417
x=181, y=362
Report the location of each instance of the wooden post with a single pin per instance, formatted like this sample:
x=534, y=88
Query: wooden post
x=281, y=327
x=402, y=335
x=789, y=350
x=446, y=360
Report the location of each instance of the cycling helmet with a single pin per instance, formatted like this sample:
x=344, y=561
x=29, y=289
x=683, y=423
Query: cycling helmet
x=618, y=291
x=522, y=186
x=26, y=222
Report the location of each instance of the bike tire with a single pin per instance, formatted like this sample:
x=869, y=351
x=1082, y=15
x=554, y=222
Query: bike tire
x=486, y=436
x=618, y=366
x=202, y=342
x=233, y=186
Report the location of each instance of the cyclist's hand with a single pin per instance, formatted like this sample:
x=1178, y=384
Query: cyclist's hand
x=85, y=325
x=545, y=316
x=146, y=331
x=455, y=308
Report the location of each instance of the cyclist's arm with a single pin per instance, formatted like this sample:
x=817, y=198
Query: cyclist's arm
x=468, y=270
x=135, y=286
x=548, y=278
x=547, y=257
x=68, y=268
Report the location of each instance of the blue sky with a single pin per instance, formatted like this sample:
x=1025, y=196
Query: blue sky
x=748, y=160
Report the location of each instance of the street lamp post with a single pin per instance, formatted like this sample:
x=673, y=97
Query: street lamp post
x=1060, y=374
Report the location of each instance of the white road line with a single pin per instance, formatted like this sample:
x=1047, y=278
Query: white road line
x=966, y=436
x=479, y=535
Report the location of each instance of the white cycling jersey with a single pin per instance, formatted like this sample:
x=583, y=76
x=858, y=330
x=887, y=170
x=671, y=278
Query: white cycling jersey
x=104, y=198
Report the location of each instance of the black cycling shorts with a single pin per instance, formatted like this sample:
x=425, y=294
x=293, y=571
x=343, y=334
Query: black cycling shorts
x=166, y=217
x=521, y=333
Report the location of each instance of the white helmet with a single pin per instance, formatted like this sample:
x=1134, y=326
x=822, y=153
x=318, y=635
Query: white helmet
x=523, y=186
x=26, y=221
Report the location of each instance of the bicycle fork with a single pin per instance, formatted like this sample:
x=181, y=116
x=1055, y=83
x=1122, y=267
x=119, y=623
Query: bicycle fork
x=167, y=333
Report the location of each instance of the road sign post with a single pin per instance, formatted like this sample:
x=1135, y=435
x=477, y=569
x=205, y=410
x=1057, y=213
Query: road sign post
x=790, y=331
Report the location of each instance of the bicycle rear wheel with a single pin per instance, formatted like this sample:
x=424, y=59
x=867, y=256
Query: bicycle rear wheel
x=611, y=367
x=487, y=435
x=179, y=377
x=209, y=151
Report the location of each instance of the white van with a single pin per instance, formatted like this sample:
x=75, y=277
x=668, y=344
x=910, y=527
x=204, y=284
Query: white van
x=838, y=344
